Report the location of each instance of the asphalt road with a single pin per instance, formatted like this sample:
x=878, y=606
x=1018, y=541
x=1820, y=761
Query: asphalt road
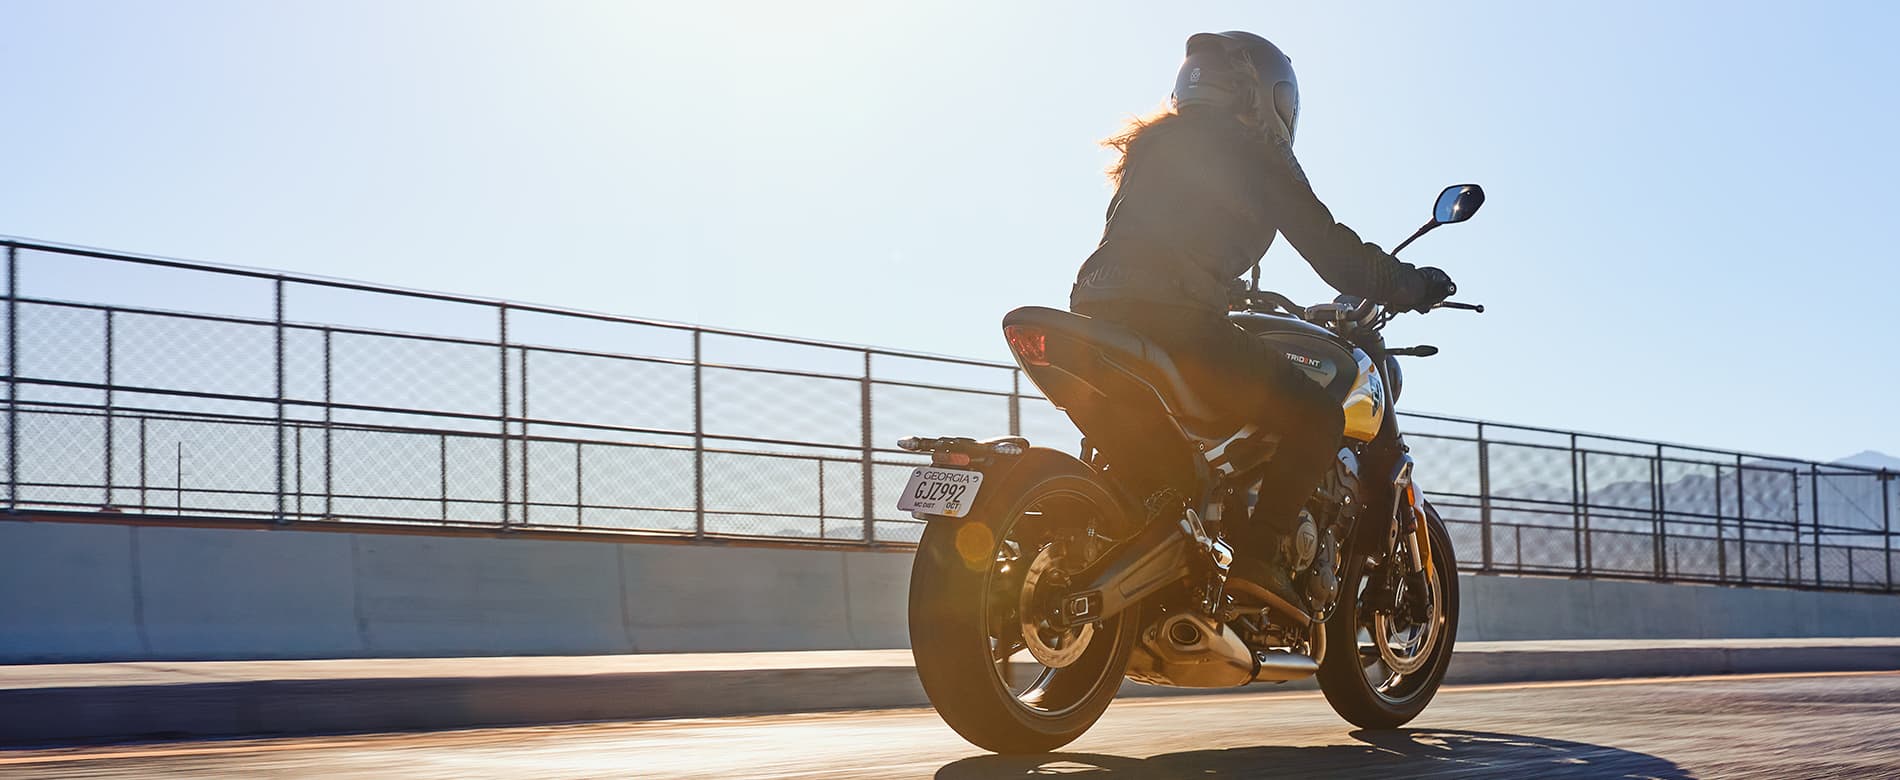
x=1781, y=726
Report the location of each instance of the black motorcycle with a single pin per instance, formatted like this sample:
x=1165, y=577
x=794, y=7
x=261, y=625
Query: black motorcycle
x=1043, y=579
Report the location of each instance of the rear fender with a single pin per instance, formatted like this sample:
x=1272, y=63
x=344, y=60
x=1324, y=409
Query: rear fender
x=1003, y=471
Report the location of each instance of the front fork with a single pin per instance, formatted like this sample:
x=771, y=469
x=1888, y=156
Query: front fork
x=1414, y=569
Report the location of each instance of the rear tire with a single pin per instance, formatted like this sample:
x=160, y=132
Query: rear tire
x=1347, y=673
x=961, y=593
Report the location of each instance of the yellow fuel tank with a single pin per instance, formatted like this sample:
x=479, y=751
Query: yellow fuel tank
x=1365, y=403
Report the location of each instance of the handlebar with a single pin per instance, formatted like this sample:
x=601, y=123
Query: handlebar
x=1357, y=310
x=1348, y=309
x=1246, y=299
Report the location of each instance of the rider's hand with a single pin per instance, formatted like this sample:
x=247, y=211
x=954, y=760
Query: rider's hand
x=1438, y=287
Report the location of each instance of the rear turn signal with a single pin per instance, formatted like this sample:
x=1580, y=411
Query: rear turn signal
x=1031, y=345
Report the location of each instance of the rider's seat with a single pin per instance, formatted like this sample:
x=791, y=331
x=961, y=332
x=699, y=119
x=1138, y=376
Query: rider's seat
x=1113, y=348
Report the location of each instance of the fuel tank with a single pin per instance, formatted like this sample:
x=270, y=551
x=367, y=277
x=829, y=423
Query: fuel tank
x=1346, y=371
x=1366, y=401
x=1324, y=357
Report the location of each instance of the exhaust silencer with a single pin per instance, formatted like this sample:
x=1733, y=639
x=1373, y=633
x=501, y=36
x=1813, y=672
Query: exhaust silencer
x=1282, y=666
x=1190, y=651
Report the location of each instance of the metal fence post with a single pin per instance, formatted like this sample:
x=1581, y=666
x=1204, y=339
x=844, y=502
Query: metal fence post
x=1486, y=561
x=442, y=472
x=13, y=378
x=869, y=533
x=503, y=344
x=1721, y=534
x=297, y=486
x=1814, y=511
x=1656, y=499
x=144, y=504
x=527, y=462
x=699, y=438
x=1015, y=402
x=1886, y=521
x=1576, y=511
x=1741, y=518
x=278, y=290
x=329, y=430
x=1584, y=561
x=1791, y=552
x=108, y=440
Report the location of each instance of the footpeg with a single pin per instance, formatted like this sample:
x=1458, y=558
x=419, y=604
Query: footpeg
x=1217, y=549
x=1218, y=552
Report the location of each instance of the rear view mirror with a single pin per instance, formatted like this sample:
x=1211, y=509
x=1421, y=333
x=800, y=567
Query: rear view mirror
x=1457, y=203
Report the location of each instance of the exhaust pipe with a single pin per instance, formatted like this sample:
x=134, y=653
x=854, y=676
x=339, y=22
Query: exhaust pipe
x=1282, y=666
x=1188, y=650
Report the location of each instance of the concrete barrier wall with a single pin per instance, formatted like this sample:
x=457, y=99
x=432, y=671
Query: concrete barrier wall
x=77, y=592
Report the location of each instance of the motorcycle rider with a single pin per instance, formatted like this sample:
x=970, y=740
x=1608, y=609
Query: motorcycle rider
x=1201, y=190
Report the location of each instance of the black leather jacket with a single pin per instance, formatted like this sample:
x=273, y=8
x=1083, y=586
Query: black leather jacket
x=1198, y=205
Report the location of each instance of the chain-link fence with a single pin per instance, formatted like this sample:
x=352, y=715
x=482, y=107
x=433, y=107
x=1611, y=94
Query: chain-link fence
x=1533, y=500
x=161, y=387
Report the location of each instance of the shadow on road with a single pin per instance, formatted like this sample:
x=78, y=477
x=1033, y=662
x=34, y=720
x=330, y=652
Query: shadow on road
x=1399, y=753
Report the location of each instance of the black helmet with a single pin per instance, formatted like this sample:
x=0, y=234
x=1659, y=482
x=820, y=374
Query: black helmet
x=1221, y=71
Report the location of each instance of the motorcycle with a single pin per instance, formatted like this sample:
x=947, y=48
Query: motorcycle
x=1042, y=579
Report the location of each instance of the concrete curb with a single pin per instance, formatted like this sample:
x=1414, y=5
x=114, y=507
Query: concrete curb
x=45, y=713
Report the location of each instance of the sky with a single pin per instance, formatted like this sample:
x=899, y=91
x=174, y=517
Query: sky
x=1683, y=238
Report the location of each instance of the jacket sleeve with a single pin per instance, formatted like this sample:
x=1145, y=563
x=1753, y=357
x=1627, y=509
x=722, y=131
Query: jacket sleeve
x=1351, y=265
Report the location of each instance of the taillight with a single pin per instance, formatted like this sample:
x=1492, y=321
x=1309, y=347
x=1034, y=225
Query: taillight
x=1031, y=345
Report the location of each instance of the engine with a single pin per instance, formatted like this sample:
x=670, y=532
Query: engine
x=1337, y=499
x=1334, y=506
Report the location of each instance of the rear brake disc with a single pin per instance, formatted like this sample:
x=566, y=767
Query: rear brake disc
x=1053, y=645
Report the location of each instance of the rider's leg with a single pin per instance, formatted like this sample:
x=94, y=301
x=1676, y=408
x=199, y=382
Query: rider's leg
x=1309, y=438
x=1309, y=424
x=1254, y=381
x=1264, y=542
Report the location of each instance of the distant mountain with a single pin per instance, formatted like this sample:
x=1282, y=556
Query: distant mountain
x=1871, y=460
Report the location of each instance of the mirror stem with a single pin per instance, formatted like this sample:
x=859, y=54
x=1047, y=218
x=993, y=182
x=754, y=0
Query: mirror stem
x=1408, y=242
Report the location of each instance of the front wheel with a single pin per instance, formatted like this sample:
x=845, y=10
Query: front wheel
x=984, y=595
x=1387, y=648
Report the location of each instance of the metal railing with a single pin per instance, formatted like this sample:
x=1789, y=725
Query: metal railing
x=152, y=386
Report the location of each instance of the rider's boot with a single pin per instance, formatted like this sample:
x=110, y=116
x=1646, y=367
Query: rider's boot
x=1273, y=572
x=1289, y=554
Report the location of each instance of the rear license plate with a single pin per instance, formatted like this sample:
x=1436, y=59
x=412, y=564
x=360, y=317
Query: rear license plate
x=941, y=492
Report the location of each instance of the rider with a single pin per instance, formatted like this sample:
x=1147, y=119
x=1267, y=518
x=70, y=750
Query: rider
x=1201, y=190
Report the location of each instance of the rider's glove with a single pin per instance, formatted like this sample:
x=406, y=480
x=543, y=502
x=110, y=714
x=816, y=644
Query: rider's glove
x=1438, y=287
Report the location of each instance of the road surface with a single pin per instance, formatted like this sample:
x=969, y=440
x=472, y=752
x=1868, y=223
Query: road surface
x=1781, y=726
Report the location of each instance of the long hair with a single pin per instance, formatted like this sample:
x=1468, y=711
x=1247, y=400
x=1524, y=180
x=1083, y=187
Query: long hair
x=1248, y=112
x=1131, y=132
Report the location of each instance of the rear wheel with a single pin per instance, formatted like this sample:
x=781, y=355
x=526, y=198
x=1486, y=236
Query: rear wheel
x=1388, y=647
x=985, y=590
